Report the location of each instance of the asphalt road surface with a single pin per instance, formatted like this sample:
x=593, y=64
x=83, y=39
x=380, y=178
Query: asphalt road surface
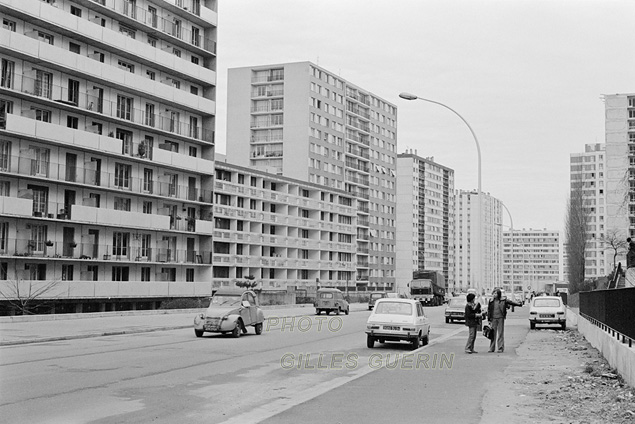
x=303, y=369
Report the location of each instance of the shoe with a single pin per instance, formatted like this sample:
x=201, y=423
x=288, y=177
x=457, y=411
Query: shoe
x=500, y=350
x=474, y=351
x=468, y=351
x=490, y=351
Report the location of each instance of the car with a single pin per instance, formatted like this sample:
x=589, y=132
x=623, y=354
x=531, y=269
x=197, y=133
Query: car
x=396, y=319
x=331, y=300
x=373, y=298
x=231, y=310
x=547, y=310
x=456, y=309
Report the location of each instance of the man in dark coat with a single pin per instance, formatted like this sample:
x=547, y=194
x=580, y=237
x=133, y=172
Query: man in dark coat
x=472, y=317
x=496, y=314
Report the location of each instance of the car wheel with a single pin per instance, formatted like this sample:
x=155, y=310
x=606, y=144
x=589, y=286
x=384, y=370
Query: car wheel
x=370, y=308
x=451, y=320
x=564, y=325
x=237, y=330
x=337, y=311
x=382, y=341
x=415, y=342
x=532, y=325
x=258, y=328
x=328, y=312
x=199, y=333
x=347, y=310
x=447, y=320
x=318, y=312
x=370, y=342
x=425, y=340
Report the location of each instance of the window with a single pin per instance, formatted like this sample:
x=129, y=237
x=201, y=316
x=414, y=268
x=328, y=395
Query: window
x=124, y=107
x=176, y=28
x=194, y=90
x=8, y=25
x=72, y=122
x=149, y=115
x=175, y=122
x=98, y=56
x=147, y=207
x=152, y=41
x=75, y=48
x=43, y=84
x=122, y=175
x=120, y=273
x=73, y=91
x=8, y=70
x=173, y=180
x=126, y=141
x=67, y=272
x=193, y=151
x=189, y=275
x=38, y=238
x=40, y=200
x=44, y=37
x=5, y=157
x=126, y=66
x=127, y=31
x=153, y=16
x=76, y=11
x=43, y=115
x=4, y=236
x=120, y=243
x=195, y=60
x=176, y=52
x=196, y=36
x=122, y=204
x=39, y=161
x=146, y=243
x=145, y=273
x=147, y=180
x=193, y=127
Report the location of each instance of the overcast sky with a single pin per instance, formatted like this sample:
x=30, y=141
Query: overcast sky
x=527, y=75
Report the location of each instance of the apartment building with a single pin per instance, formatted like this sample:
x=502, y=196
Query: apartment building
x=106, y=149
x=281, y=232
x=425, y=218
x=588, y=172
x=531, y=260
x=620, y=166
x=468, y=252
x=310, y=124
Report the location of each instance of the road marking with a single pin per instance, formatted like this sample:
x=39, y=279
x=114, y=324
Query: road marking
x=273, y=408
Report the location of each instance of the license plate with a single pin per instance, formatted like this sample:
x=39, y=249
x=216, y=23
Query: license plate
x=547, y=316
x=390, y=327
x=211, y=327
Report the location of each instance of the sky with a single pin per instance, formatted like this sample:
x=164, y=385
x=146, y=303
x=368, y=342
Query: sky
x=528, y=76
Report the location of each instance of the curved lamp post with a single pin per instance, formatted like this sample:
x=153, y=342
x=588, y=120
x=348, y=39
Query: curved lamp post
x=408, y=96
x=511, y=228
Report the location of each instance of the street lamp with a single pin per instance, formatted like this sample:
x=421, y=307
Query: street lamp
x=511, y=228
x=408, y=96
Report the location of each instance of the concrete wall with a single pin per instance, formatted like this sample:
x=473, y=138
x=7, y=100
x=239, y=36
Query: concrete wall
x=618, y=354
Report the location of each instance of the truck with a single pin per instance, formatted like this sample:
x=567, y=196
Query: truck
x=428, y=287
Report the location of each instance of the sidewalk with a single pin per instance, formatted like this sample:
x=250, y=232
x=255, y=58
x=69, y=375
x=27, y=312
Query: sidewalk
x=44, y=328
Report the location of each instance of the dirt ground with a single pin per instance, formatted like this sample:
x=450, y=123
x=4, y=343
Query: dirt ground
x=559, y=378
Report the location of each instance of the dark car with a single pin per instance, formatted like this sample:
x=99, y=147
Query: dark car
x=374, y=297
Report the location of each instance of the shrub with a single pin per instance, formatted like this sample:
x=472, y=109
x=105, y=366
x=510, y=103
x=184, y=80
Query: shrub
x=185, y=303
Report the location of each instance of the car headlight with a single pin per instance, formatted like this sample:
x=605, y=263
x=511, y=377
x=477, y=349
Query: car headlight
x=560, y=313
x=372, y=327
x=532, y=313
x=408, y=329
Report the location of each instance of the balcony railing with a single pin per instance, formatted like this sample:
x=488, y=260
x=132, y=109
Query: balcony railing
x=91, y=101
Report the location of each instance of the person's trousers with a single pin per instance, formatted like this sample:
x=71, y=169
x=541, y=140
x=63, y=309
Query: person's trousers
x=498, y=327
x=469, y=347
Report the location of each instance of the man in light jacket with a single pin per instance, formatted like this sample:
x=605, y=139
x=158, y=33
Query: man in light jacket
x=496, y=314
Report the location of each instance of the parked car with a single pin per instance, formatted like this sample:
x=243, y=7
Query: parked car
x=231, y=310
x=395, y=319
x=374, y=297
x=456, y=309
x=547, y=310
x=331, y=300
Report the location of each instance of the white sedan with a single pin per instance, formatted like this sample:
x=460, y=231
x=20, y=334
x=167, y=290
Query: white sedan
x=547, y=310
x=395, y=319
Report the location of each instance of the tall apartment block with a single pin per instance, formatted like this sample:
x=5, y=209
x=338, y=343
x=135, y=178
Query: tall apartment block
x=531, y=260
x=306, y=123
x=425, y=218
x=106, y=149
x=588, y=172
x=620, y=163
x=281, y=232
x=469, y=253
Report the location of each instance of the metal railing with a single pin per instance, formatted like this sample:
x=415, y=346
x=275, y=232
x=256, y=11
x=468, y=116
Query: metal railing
x=611, y=310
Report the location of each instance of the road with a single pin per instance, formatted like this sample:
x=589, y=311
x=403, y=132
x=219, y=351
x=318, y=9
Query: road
x=172, y=376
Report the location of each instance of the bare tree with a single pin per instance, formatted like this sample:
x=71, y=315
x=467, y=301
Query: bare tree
x=25, y=295
x=615, y=240
x=576, y=236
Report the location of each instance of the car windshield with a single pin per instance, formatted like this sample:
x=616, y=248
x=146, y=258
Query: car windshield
x=457, y=302
x=226, y=300
x=394, y=308
x=547, y=303
x=326, y=295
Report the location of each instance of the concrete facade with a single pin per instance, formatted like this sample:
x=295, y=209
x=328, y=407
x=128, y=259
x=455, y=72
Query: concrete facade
x=310, y=124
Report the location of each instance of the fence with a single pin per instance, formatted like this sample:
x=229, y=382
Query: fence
x=611, y=310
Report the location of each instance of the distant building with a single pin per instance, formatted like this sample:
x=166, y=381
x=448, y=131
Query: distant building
x=106, y=149
x=532, y=259
x=306, y=123
x=468, y=253
x=282, y=232
x=425, y=218
x=588, y=170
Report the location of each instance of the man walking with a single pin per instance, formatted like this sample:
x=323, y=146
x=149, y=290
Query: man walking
x=496, y=314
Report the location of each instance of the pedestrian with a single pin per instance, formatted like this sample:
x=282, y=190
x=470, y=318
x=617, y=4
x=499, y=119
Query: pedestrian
x=496, y=314
x=472, y=319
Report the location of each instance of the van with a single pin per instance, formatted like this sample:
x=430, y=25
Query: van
x=331, y=300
